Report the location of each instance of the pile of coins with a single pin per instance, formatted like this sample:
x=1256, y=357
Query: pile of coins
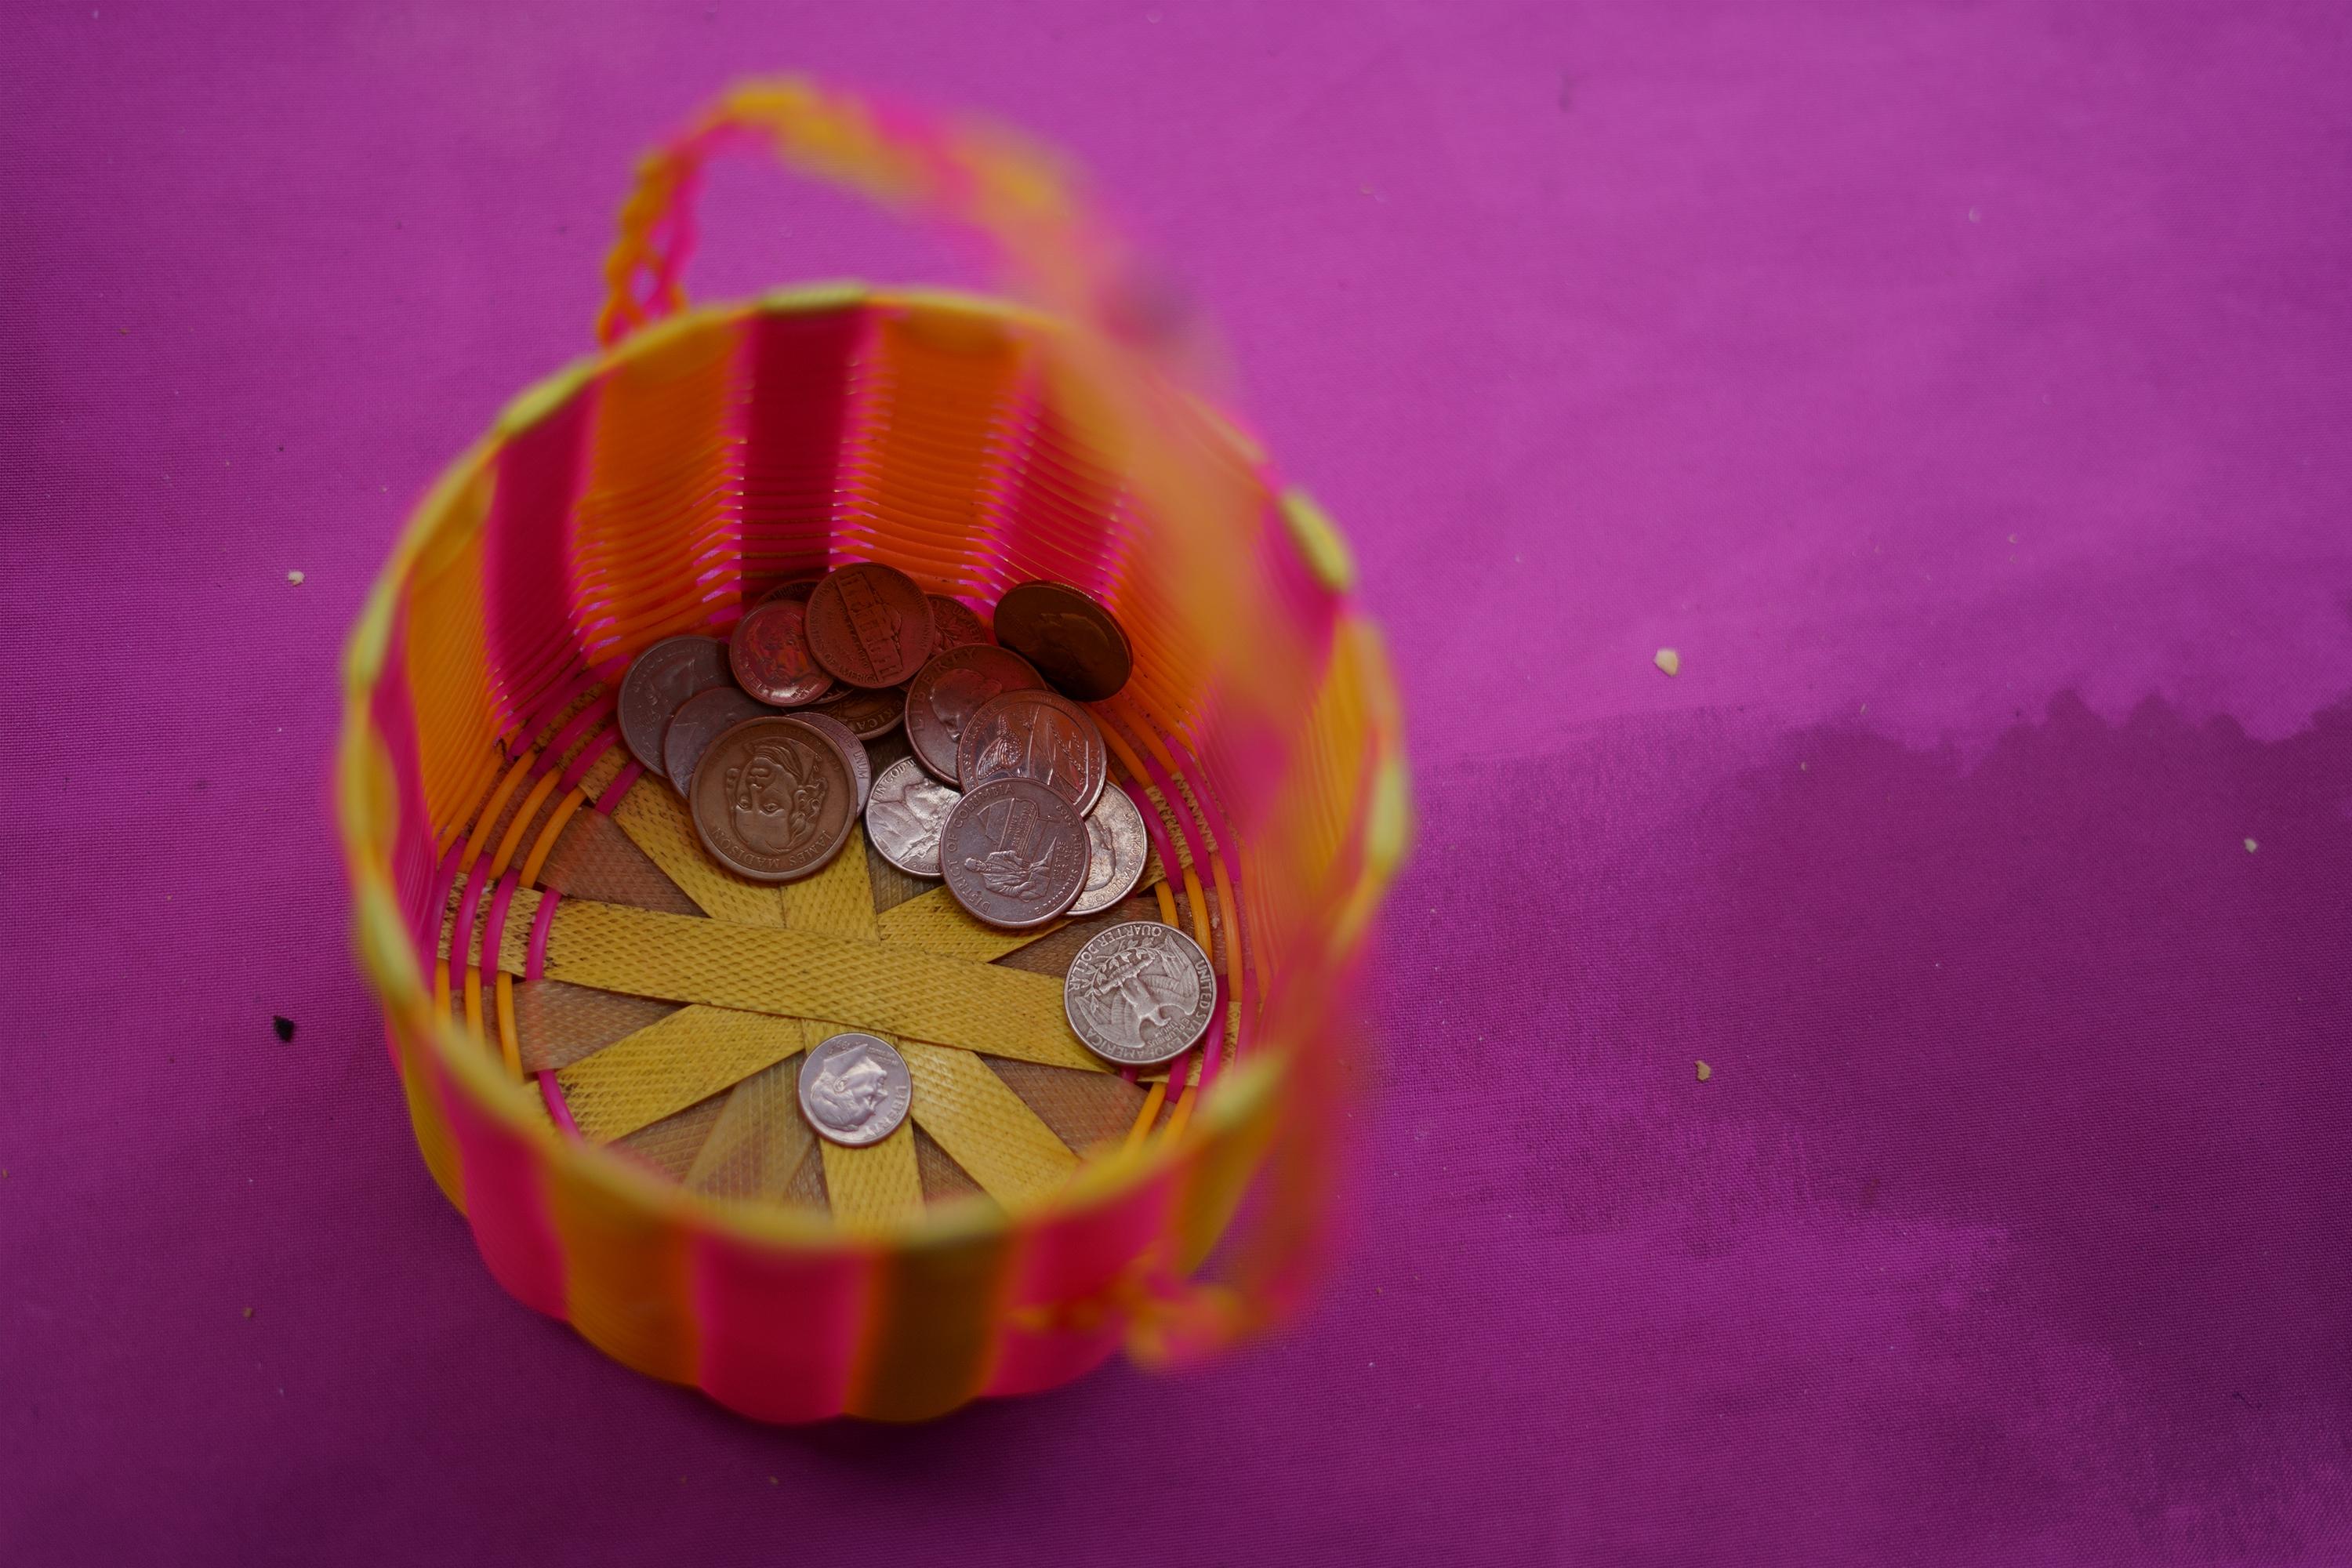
x=1005, y=796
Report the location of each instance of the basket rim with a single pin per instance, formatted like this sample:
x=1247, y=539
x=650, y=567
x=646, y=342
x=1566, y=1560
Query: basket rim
x=1380, y=834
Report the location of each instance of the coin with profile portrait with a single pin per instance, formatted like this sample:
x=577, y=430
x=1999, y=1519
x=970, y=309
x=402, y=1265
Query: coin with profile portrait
x=772, y=799
x=855, y=1088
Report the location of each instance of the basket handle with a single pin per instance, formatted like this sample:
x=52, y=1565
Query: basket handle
x=1019, y=198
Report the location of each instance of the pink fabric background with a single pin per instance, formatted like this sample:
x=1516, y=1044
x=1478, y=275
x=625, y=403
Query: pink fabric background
x=1962, y=388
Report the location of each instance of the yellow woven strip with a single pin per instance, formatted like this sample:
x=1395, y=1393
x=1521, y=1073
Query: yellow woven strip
x=894, y=991
x=655, y=821
x=984, y=1126
x=603, y=770
x=667, y=1065
x=759, y=1140
x=878, y=1185
x=837, y=901
x=935, y=922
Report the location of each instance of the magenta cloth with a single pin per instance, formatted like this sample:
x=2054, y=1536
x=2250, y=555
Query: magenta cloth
x=1962, y=390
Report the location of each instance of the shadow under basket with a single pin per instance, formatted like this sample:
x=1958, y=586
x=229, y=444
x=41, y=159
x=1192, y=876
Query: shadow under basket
x=598, y=1028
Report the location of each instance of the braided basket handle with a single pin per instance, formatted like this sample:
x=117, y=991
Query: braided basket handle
x=1021, y=199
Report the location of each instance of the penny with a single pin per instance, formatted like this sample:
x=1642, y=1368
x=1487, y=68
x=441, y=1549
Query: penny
x=869, y=626
x=904, y=815
x=942, y=697
x=855, y=1088
x=1117, y=851
x=1140, y=993
x=796, y=589
x=661, y=677
x=1014, y=854
x=769, y=653
x=1074, y=642
x=852, y=749
x=1039, y=736
x=870, y=715
x=700, y=719
x=772, y=799
x=953, y=625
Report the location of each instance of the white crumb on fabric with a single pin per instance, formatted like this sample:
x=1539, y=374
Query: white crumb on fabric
x=294, y=577
x=2252, y=846
x=1669, y=660
x=1705, y=1072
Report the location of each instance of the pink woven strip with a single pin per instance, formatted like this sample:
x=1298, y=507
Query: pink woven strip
x=552, y=1092
x=587, y=758
x=444, y=876
x=535, y=963
x=461, y=938
x=597, y=712
x=610, y=801
x=498, y=922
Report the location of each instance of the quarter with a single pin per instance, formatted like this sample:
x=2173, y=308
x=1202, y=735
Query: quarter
x=1038, y=735
x=658, y=680
x=1117, y=850
x=1014, y=854
x=1139, y=993
x=904, y=815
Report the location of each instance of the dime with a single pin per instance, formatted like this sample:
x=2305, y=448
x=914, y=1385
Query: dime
x=1117, y=849
x=855, y=1088
x=1140, y=993
x=1014, y=854
x=772, y=799
x=700, y=719
x=852, y=749
x=953, y=625
x=661, y=677
x=904, y=815
x=869, y=626
x=1073, y=640
x=770, y=659
x=870, y=715
x=1039, y=736
x=941, y=699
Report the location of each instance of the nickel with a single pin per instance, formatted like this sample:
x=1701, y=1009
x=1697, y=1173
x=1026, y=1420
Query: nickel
x=770, y=659
x=941, y=699
x=904, y=815
x=1072, y=639
x=855, y=1088
x=1014, y=854
x=1117, y=851
x=1037, y=735
x=661, y=677
x=700, y=719
x=869, y=626
x=772, y=799
x=1140, y=993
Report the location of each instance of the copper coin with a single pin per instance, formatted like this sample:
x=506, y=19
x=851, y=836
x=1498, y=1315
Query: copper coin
x=953, y=625
x=941, y=699
x=1074, y=642
x=700, y=719
x=769, y=653
x=796, y=589
x=1039, y=736
x=852, y=749
x=658, y=680
x=1140, y=993
x=904, y=815
x=869, y=626
x=855, y=1088
x=1014, y=854
x=772, y=799
x=870, y=715
x=1118, y=848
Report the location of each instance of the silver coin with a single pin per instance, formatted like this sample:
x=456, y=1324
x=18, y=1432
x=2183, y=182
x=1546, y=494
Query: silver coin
x=904, y=818
x=1141, y=992
x=853, y=751
x=658, y=680
x=700, y=719
x=1117, y=848
x=855, y=1090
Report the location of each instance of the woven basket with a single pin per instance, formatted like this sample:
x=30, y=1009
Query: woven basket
x=660, y=485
